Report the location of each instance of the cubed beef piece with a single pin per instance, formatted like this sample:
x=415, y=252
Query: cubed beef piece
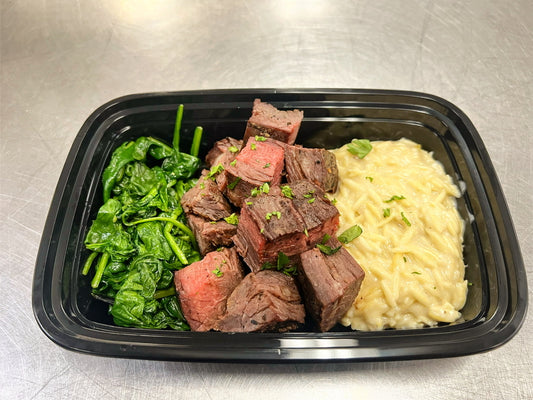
x=269, y=224
x=330, y=283
x=206, y=200
x=204, y=287
x=258, y=162
x=211, y=235
x=317, y=165
x=319, y=215
x=263, y=301
x=223, y=152
x=267, y=120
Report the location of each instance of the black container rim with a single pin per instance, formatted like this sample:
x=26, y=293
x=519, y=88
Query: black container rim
x=73, y=332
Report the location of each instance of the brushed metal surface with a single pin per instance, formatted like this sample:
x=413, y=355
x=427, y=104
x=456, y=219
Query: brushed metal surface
x=62, y=59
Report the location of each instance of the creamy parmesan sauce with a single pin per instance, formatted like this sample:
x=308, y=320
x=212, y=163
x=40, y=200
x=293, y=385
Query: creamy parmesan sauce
x=411, y=245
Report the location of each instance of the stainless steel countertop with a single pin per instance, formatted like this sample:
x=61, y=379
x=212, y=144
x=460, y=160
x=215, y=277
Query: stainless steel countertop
x=60, y=60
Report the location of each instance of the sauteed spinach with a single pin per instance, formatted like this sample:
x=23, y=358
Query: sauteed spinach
x=140, y=234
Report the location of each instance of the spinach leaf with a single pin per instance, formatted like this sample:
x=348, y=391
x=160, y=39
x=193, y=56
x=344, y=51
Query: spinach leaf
x=108, y=235
x=140, y=234
x=153, y=240
x=128, y=152
x=180, y=165
x=135, y=304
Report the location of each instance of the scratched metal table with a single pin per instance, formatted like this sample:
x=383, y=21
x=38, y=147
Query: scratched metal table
x=60, y=60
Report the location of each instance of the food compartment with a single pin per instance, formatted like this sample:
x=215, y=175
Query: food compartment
x=497, y=297
x=322, y=127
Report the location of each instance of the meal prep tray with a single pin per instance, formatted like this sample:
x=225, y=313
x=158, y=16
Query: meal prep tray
x=497, y=298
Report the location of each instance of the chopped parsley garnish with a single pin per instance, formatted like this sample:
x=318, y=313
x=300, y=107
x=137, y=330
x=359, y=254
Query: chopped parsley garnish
x=233, y=219
x=334, y=201
x=214, y=171
x=269, y=215
x=386, y=212
x=369, y=178
x=359, y=147
x=327, y=250
x=266, y=165
x=350, y=234
x=416, y=273
x=232, y=185
x=249, y=203
x=253, y=146
x=260, y=138
x=220, y=249
x=282, y=265
x=404, y=259
x=306, y=233
x=404, y=219
x=265, y=187
x=287, y=191
x=233, y=163
x=233, y=149
x=218, y=272
x=394, y=198
x=311, y=201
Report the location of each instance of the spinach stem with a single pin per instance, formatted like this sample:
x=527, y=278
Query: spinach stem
x=197, y=138
x=184, y=228
x=100, y=270
x=173, y=245
x=177, y=128
x=89, y=263
x=159, y=294
x=160, y=143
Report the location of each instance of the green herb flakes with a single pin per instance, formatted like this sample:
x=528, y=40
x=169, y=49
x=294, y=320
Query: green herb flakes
x=404, y=219
x=233, y=149
x=287, y=191
x=283, y=264
x=386, y=212
x=327, y=250
x=369, y=178
x=253, y=146
x=218, y=272
x=233, y=219
x=267, y=165
x=265, y=187
x=350, y=234
x=359, y=147
x=259, y=138
x=394, y=198
x=232, y=185
x=269, y=215
x=214, y=171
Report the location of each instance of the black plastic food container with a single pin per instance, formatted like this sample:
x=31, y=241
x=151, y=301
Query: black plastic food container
x=497, y=298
